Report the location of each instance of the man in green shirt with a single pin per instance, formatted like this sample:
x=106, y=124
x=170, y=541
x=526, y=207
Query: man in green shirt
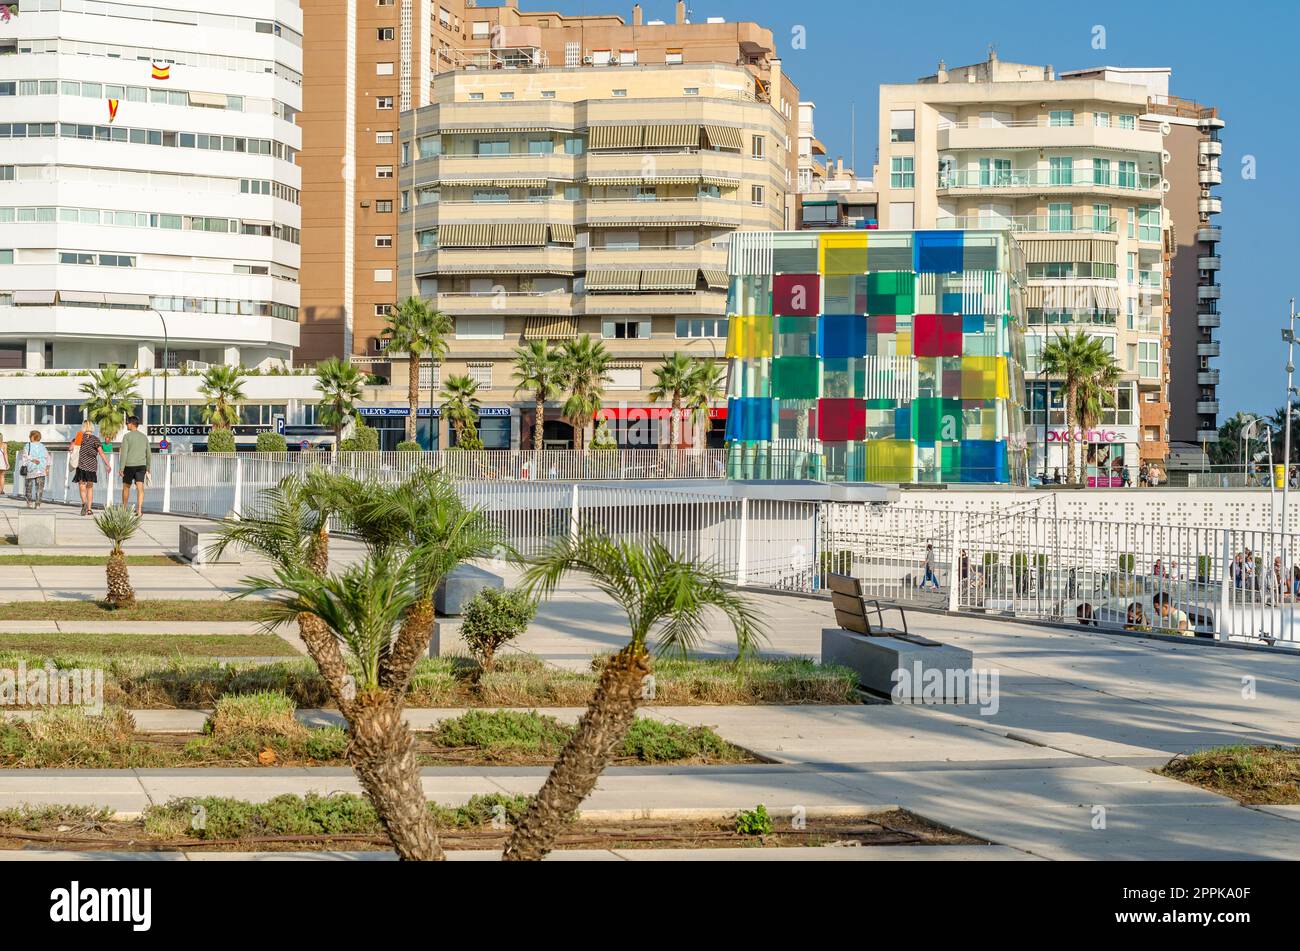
x=135, y=463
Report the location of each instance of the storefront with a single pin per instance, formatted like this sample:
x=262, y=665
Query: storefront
x=1104, y=452
x=496, y=426
x=650, y=427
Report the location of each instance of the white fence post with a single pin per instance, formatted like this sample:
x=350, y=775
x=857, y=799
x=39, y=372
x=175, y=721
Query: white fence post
x=573, y=515
x=742, y=549
x=237, y=508
x=954, y=564
x=1225, y=589
x=167, y=485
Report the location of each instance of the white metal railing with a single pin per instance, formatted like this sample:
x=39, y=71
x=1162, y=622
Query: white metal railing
x=1045, y=122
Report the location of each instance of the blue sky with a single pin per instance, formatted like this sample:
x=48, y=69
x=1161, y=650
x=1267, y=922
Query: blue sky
x=1237, y=56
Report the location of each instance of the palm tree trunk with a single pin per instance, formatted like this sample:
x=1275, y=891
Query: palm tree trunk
x=322, y=646
x=120, y=592
x=381, y=752
x=412, y=394
x=583, y=759
x=539, y=410
x=1072, y=424
x=412, y=641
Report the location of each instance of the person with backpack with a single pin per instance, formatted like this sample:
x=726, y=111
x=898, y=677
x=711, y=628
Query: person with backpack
x=34, y=466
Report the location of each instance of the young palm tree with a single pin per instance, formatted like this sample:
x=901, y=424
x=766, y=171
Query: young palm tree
x=1078, y=359
x=221, y=388
x=460, y=406
x=118, y=523
x=110, y=395
x=584, y=371
x=417, y=330
x=672, y=382
x=665, y=597
x=538, y=371
x=339, y=384
x=707, y=385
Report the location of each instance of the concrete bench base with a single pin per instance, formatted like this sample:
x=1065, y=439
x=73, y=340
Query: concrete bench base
x=37, y=530
x=902, y=671
x=461, y=585
x=195, y=540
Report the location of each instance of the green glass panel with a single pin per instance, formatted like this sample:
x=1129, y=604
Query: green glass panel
x=795, y=378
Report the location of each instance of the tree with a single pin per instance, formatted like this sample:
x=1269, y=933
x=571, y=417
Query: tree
x=672, y=381
x=1278, y=423
x=339, y=384
x=271, y=442
x=380, y=611
x=460, y=407
x=118, y=523
x=1079, y=360
x=417, y=330
x=1227, y=450
x=538, y=371
x=707, y=385
x=584, y=371
x=665, y=597
x=110, y=398
x=221, y=388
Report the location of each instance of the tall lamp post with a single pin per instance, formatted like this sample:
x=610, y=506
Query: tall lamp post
x=167, y=359
x=1289, y=336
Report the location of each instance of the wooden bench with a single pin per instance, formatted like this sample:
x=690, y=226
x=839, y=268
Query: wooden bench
x=853, y=612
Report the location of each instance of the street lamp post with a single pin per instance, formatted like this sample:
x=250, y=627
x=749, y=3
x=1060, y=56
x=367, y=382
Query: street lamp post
x=167, y=359
x=1289, y=336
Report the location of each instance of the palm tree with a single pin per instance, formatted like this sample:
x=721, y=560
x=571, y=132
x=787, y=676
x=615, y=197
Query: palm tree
x=707, y=385
x=460, y=406
x=221, y=388
x=1079, y=360
x=538, y=371
x=1278, y=423
x=584, y=371
x=339, y=384
x=110, y=397
x=416, y=329
x=664, y=596
x=672, y=381
x=1227, y=451
x=118, y=523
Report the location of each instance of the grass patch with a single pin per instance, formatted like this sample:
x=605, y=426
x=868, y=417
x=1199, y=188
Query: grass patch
x=266, y=712
x=40, y=646
x=142, y=561
x=216, y=609
x=1255, y=775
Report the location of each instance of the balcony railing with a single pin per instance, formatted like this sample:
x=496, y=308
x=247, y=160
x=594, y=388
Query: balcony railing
x=1208, y=320
x=1083, y=224
x=1040, y=122
x=1209, y=235
x=1210, y=176
x=1208, y=407
x=1209, y=292
x=1080, y=177
x=1210, y=349
x=1208, y=378
x=1209, y=262
x=1210, y=147
x=1211, y=206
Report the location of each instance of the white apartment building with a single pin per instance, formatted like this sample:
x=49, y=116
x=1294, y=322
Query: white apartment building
x=149, y=196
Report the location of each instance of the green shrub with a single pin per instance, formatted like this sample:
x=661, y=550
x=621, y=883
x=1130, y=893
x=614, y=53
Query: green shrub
x=221, y=440
x=503, y=731
x=264, y=712
x=1126, y=564
x=271, y=442
x=363, y=439
x=494, y=617
x=652, y=741
x=409, y=445
x=754, y=821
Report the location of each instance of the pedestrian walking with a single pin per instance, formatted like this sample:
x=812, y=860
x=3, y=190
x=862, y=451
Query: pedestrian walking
x=86, y=475
x=135, y=464
x=929, y=568
x=34, y=466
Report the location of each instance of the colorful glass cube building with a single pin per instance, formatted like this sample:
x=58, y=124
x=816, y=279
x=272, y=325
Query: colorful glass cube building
x=876, y=356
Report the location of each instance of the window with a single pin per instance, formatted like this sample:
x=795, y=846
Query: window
x=1060, y=216
x=384, y=206
x=756, y=147
x=1149, y=223
x=383, y=275
x=540, y=147
x=548, y=93
x=673, y=57
x=1132, y=267
x=476, y=97
x=383, y=138
x=691, y=91
x=1127, y=175
x=624, y=378
x=756, y=195
x=1101, y=218
x=626, y=329
x=996, y=172
x=1101, y=171
x=1128, y=122
x=1132, y=223
x=507, y=94
x=385, y=33
x=383, y=69
x=6, y=256
x=382, y=310
x=1101, y=120
x=1149, y=359
x=383, y=240
x=405, y=198
x=701, y=327
x=383, y=102
x=383, y=171
x=902, y=215
x=620, y=93
x=492, y=147
x=1062, y=117
x=902, y=172
x=902, y=125
x=480, y=29
x=480, y=373
x=1061, y=171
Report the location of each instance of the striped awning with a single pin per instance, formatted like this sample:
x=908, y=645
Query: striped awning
x=669, y=279
x=642, y=179
x=615, y=137
x=504, y=128
x=724, y=137
x=715, y=279
x=563, y=234
x=551, y=327
x=1051, y=250
x=720, y=180
x=519, y=182
x=519, y=235
x=465, y=236
x=614, y=280
x=672, y=136
x=1071, y=297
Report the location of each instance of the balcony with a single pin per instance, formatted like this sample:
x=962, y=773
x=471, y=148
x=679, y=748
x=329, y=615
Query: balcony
x=1211, y=206
x=1209, y=292
x=1208, y=147
x=452, y=170
x=1033, y=181
x=1040, y=133
x=705, y=303
x=641, y=167
x=647, y=256
x=1209, y=262
x=1208, y=407
x=494, y=261
x=1210, y=176
x=492, y=212
x=1031, y=224
x=515, y=303
x=1209, y=235
x=665, y=212
x=1208, y=378
x=1207, y=320
x=1210, y=349
x=1207, y=435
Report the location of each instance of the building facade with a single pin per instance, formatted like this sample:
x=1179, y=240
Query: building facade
x=540, y=201
x=149, y=196
x=1074, y=166
x=877, y=356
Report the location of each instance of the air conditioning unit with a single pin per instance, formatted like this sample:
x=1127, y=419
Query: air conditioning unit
x=195, y=366
x=587, y=61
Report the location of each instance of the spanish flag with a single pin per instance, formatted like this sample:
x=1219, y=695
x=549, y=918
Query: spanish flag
x=112, y=109
x=161, y=71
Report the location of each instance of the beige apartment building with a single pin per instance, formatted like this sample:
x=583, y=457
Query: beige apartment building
x=1075, y=166
x=565, y=181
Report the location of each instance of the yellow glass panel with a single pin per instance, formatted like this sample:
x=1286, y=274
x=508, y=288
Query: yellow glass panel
x=984, y=378
x=749, y=337
x=889, y=460
x=843, y=254
x=903, y=343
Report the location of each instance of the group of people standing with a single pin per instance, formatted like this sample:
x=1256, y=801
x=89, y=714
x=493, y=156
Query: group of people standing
x=32, y=464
